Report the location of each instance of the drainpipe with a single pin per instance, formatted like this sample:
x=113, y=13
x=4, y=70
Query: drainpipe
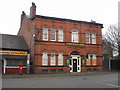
x=28, y=63
x=4, y=66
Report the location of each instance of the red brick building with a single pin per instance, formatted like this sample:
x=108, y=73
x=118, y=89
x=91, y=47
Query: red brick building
x=62, y=45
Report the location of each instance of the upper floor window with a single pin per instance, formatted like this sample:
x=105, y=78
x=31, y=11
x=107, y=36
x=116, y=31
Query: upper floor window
x=74, y=36
x=87, y=37
x=93, y=38
x=45, y=59
x=45, y=33
x=60, y=35
x=53, y=35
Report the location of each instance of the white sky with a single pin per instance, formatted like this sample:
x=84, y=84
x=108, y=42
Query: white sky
x=101, y=11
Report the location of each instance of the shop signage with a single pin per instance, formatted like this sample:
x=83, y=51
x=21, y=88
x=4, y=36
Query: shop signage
x=68, y=61
x=83, y=61
x=71, y=45
x=6, y=52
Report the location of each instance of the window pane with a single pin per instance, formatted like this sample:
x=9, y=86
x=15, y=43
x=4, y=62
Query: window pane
x=52, y=59
x=53, y=34
x=45, y=59
x=45, y=34
x=74, y=36
x=93, y=38
x=87, y=37
x=60, y=59
x=60, y=35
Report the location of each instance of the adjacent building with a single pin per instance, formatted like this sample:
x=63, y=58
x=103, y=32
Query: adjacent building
x=61, y=45
x=14, y=51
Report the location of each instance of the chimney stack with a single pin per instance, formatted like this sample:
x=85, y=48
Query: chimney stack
x=33, y=10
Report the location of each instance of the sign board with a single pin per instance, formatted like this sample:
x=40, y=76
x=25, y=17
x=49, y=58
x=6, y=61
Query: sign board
x=105, y=54
x=68, y=61
x=7, y=52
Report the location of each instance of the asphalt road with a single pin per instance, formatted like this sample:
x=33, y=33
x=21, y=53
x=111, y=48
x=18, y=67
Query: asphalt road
x=86, y=81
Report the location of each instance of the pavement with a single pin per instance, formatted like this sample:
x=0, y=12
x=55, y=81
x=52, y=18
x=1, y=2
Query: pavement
x=10, y=76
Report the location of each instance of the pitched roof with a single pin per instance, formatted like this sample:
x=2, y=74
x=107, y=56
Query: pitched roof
x=13, y=42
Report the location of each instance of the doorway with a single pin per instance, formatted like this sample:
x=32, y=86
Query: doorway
x=74, y=65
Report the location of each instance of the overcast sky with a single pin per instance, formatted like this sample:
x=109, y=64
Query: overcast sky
x=101, y=11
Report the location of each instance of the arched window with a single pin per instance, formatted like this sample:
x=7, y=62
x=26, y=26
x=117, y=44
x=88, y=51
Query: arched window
x=45, y=59
x=60, y=59
x=88, y=61
x=93, y=38
x=60, y=35
x=87, y=37
x=45, y=33
x=74, y=36
x=52, y=59
x=94, y=62
x=53, y=34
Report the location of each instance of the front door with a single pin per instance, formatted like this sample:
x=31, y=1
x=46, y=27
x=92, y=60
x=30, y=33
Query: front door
x=74, y=65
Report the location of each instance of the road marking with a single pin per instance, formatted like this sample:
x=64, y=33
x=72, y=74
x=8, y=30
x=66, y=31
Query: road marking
x=113, y=85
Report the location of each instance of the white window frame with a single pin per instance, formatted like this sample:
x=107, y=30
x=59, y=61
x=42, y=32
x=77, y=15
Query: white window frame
x=45, y=33
x=52, y=33
x=60, y=35
x=93, y=38
x=75, y=35
x=94, y=56
x=60, y=59
x=53, y=59
x=87, y=37
x=45, y=59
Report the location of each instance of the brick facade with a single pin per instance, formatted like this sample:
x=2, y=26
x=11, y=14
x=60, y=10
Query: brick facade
x=32, y=30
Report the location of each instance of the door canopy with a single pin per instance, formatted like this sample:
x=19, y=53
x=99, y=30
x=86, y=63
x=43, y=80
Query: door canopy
x=75, y=53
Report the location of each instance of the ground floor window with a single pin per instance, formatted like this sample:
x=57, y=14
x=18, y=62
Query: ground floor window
x=45, y=59
x=88, y=60
x=15, y=62
x=60, y=59
x=94, y=62
x=52, y=59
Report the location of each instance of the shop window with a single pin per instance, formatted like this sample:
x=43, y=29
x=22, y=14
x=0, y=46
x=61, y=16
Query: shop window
x=74, y=36
x=53, y=35
x=60, y=35
x=87, y=37
x=93, y=38
x=94, y=62
x=52, y=60
x=45, y=59
x=60, y=59
x=88, y=61
x=45, y=33
x=15, y=62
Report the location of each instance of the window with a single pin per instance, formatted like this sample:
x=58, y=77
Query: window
x=53, y=34
x=45, y=33
x=88, y=62
x=52, y=59
x=93, y=38
x=94, y=62
x=15, y=62
x=45, y=59
x=60, y=59
x=87, y=37
x=38, y=35
x=74, y=36
x=60, y=35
